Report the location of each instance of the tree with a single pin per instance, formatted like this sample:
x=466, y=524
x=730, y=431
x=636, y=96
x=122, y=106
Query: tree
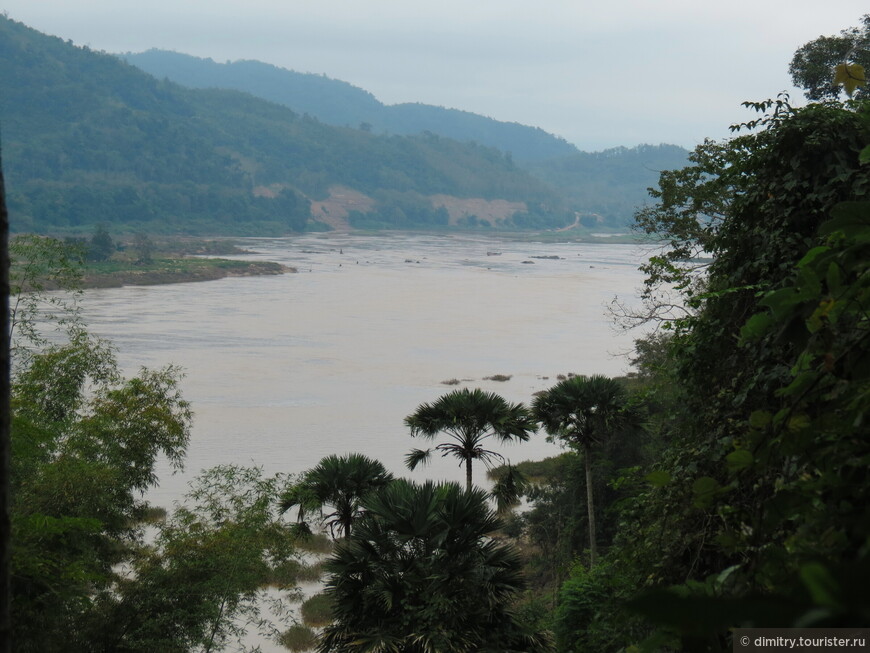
x=101, y=245
x=582, y=412
x=420, y=574
x=202, y=582
x=812, y=67
x=143, y=246
x=41, y=264
x=5, y=423
x=757, y=506
x=85, y=443
x=84, y=448
x=341, y=482
x=468, y=417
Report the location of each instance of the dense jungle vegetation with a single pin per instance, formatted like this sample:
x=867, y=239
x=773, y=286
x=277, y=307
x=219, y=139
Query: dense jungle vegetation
x=724, y=484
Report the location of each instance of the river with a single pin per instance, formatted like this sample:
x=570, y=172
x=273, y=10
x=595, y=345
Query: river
x=284, y=370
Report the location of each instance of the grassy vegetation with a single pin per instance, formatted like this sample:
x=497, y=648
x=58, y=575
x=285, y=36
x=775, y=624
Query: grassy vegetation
x=115, y=273
x=317, y=611
x=154, y=514
x=535, y=471
x=316, y=543
x=298, y=638
x=293, y=572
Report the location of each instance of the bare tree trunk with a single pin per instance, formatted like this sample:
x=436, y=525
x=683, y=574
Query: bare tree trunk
x=590, y=504
x=5, y=428
x=468, y=474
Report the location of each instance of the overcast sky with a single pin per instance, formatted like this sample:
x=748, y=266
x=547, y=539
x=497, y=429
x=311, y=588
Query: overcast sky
x=599, y=73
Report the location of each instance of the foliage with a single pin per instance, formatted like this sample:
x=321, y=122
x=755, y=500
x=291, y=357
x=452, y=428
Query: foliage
x=588, y=618
x=755, y=512
x=813, y=64
x=200, y=586
x=144, y=248
x=39, y=264
x=582, y=412
x=84, y=445
x=341, y=482
x=298, y=638
x=317, y=610
x=608, y=186
x=101, y=244
x=468, y=417
x=420, y=574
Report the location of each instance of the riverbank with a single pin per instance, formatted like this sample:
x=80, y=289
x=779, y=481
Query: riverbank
x=114, y=274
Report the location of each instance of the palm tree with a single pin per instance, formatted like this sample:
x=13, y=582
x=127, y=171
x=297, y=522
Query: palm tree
x=340, y=482
x=582, y=411
x=468, y=417
x=420, y=574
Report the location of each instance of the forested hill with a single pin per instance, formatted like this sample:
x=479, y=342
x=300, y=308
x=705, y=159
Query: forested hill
x=609, y=186
x=605, y=186
x=342, y=104
x=90, y=139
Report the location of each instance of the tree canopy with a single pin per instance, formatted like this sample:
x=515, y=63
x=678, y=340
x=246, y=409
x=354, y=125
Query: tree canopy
x=754, y=511
x=340, y=482
x=420, y=574
x=468, y=417
x=813, y=65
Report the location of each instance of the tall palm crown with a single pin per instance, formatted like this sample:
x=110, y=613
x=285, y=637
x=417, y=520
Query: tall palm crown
x=468, y=417
x=420, y=575
x=582, y=411
x=340, y=482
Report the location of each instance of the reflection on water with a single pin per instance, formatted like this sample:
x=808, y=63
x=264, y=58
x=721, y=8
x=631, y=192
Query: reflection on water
x=284, y=370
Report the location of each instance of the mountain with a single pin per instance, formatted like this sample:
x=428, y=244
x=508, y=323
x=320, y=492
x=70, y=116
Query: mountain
x=342, y=104
x=605, y=186
x=89, y=139
x=608, y=186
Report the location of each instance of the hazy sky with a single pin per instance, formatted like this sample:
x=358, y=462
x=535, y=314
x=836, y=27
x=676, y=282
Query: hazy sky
x=600, y=73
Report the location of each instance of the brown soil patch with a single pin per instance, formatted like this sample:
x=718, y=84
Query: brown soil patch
x=490, y=210
x=268, y=191
x=335, y=209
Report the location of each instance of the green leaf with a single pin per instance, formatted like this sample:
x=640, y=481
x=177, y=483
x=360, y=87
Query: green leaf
x=658, y=478
x=834, y=278
x=759, y=419
x=864, y=157
x=821, y=585
x=811, y=255
x=738, y=460
x=704, y=488
x=849, y=76
x=798, y=423
x=781, y=301
x=756, y=326
x=850, y=218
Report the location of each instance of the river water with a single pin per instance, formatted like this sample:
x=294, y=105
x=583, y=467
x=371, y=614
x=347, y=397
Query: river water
x=283, y=370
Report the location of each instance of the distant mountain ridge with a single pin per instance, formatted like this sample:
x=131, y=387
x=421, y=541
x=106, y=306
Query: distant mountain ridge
x=343, y=104
x=606, y=186
x=88, y=139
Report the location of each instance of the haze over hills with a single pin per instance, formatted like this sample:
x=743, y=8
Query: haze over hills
x=90, y=139
x=606, y=186
x=342, y=104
